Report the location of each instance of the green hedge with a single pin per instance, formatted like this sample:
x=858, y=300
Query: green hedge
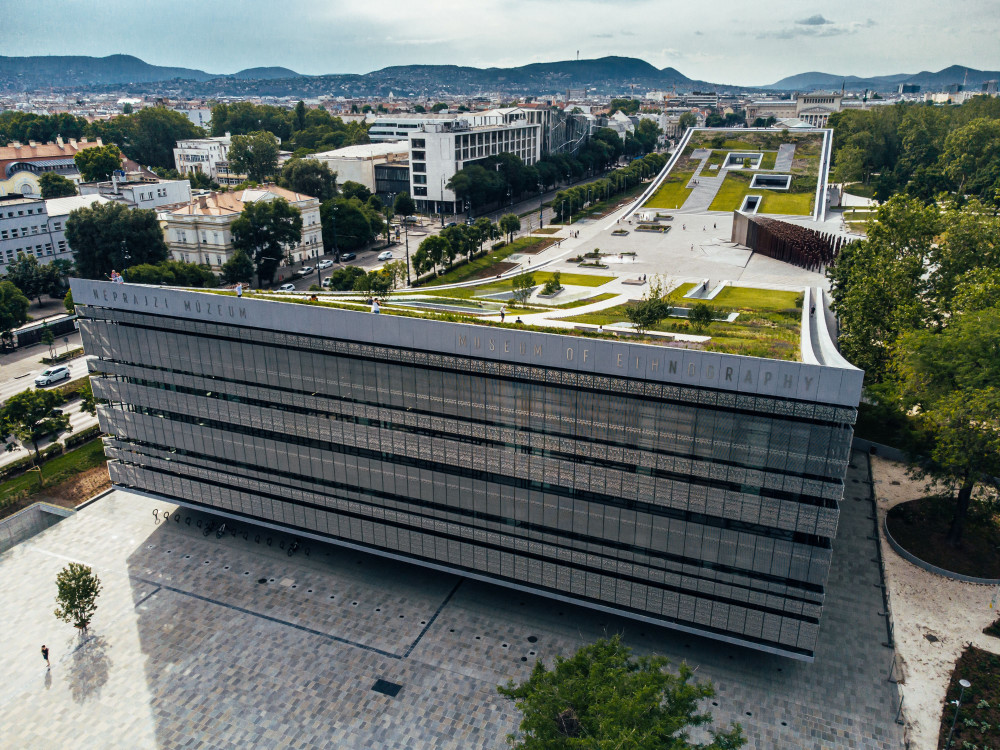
x=73, y=389
x=82, y=436
x=21, y=465
x=72, y=353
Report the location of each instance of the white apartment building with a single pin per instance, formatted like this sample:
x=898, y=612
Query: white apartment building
x=138, y=191
x=438, y=150
x=201, y=231
x=33, y=226
x=202, y=154
x=814, y=108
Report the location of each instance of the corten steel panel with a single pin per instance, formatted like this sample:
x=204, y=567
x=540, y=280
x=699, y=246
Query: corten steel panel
x=555, y=427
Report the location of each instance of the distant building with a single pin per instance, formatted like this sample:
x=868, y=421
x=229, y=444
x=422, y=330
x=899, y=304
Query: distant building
x=908, y=88
x=21, y=165
x=360, y=163
x=814, y=108
x=37, y=227
x=201, y=231
x=139, y=191
x=202, y=116
x=202, y=154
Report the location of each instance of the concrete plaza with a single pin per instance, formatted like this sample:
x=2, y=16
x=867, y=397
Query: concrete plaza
x=189, y=649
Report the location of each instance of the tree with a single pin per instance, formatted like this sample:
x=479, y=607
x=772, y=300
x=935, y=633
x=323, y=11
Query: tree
x=700, y=316
x=310, y=177
x=949, y=380
x=106, y=236
x=352, y=189
x=439, y=107
x=404, y=205
x=686, y=120
x=31, y=415
x=971, y=158
x=651, y=309
x=603, y=697
x=264, y=230
x=33, y=278
x=172, y=273
x=486, y=229
x=48, y=339
x=432, y=251
x=396, y=271
x=13, y=308
x=149, y=135
x=346, y=225
x=56, y=186
x=375, y=284
x=238, y=268
x=98, y=162
x=255, y=155
x=299, y=122
x=77, y=589
x=343, y=279
x=522, y=285
x=509, y=223
x=68, y=302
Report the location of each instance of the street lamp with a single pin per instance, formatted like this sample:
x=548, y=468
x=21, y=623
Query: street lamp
x=958, y=705
x=388, y=218
x=468, y=210
x=406, y=236
x=540, y=205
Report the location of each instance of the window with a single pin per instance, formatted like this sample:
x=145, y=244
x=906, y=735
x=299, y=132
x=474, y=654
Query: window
x=420, y=191
x=420, y=155
x=419, y=166
x=419, y=179
x=218, y=260
x=418, y=142
x=57, y=225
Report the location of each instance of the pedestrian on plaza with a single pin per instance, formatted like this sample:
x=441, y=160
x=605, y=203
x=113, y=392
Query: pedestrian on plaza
x=703, y=229
x=713, y=225
x=45, y=655
x=375, y=308
x=503, y=313
x=239, y=289
x=518, y=321
x=684, y=227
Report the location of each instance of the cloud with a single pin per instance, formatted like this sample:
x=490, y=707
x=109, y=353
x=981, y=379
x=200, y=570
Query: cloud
x=816, y=20
x=603, y=36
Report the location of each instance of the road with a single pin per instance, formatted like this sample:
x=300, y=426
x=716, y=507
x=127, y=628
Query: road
x=77, y=369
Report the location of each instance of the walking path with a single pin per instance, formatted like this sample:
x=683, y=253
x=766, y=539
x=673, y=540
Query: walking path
x=783, y=161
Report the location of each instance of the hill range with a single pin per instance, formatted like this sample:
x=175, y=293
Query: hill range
x=606, y=75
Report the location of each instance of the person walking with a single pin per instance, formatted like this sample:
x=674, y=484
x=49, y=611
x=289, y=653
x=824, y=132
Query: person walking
x=503, y=313
x=239, y=289
x=45, y=655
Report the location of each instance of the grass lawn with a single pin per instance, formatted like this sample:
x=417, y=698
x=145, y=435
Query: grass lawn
x=768, y=161
x=477, y=292
x=466, y=271
x=587, y=301
x=54, y=471
x=547, y=230
x=673, y=192
x=768, y=325
x=737, y=185
x=978, y=724
x=860, y=189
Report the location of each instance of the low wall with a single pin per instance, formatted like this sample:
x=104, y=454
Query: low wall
x=932, y=568
x=26, y=523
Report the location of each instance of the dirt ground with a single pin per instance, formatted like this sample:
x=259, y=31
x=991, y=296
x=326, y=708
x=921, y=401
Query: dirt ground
x=67, y=494
x=933, y=617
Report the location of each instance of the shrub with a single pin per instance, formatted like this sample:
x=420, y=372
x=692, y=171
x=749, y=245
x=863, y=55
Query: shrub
x=83, y=436
x=552, y=285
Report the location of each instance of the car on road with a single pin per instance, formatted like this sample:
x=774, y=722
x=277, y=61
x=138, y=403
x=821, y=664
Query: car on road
x=326, y=282
x=344, y=257
x=286, y=288
x=326, y=263
x=387, y=255
x=305, y=271
x=450, y=224
x=52, y=375
x=411, y=220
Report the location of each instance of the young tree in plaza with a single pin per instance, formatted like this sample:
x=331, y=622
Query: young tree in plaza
x=77, y=589
x=603, y=697
x=651, y=309
x=509, y=224
x=264, y=230
x=522, y=286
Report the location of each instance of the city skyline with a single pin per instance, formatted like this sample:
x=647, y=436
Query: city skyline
x=316, y=38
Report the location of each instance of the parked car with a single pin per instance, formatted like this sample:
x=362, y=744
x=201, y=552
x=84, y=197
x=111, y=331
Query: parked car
x=387, y=255
x=411, y=220
x=305, y=271
x=52, y=375
x=325, y=263
x=286, y=288
x=344, y=257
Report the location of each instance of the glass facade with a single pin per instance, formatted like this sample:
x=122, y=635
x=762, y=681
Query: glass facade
x=697, y=508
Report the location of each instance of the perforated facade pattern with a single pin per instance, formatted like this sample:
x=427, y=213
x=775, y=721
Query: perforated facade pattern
x=698, y=508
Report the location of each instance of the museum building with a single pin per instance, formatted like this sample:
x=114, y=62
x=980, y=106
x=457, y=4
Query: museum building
x=693, y=490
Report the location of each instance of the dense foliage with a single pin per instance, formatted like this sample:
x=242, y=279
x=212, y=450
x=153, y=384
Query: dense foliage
x=301, y=130
x=603, y=697
x=111, y=236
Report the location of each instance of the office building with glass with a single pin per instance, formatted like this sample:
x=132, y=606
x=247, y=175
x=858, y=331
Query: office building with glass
x=692, y=490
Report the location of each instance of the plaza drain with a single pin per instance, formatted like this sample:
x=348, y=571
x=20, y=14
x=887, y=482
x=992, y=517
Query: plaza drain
x=261, y=580
x=387, y=688
x=532, y=639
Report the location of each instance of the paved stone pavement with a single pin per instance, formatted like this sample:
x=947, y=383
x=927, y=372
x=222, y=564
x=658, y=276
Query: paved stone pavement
x=188, y=649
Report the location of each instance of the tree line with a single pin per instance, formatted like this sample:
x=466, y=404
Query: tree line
x=567, y=202
x=918, y=301
x=921, y=149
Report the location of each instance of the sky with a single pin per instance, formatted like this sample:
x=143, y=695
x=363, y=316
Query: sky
x=724, y=41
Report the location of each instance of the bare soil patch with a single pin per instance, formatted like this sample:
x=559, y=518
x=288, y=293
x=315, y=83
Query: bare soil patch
x=491, y=272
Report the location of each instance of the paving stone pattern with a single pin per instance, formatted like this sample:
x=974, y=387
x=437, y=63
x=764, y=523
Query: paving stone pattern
x=189, y=650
